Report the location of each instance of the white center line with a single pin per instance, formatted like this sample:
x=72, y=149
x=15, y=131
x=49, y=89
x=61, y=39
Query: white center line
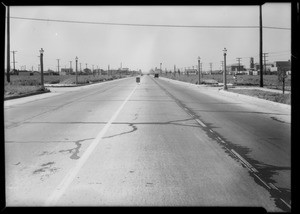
x=244, y=161
x=200, y=122
x=61, y=188
x=286, y=203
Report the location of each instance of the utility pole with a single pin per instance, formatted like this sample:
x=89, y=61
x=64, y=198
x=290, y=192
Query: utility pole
x=42, y=69
x=224, y=72
x=108, y=70
x=58, y=65
x=174, y=70
x=210, y=68
x=70, y=66
x=261, y=83
x=80, y=67
x=160, y=68
x=222, y=65
x=8, y=47
x=265, y=65
x=76, y=60
x=239, y=60
x=14, y=62
x=199, y=70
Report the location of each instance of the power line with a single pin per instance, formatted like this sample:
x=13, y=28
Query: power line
x=145, y=25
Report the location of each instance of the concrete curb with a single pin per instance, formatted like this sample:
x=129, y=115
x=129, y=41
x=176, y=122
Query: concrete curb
x=256, y=100
x=245, y=98
x=25, y=95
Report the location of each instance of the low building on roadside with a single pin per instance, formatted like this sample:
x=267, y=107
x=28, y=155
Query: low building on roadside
x=66, y=71
x=236, y=69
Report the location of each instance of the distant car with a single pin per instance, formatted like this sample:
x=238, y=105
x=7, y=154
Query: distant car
x=155, y=75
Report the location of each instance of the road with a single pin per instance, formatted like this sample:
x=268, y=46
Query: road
x=154, y=143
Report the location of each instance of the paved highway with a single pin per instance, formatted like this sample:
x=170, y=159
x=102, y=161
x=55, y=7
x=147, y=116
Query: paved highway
x=154, y=143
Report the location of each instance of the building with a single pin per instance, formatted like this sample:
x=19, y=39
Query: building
x=236, y=69
x=283, y=65
x=66, y=71
x=272, y=68
x=191, y=71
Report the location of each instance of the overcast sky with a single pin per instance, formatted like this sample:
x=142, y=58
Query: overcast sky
x=145, y=47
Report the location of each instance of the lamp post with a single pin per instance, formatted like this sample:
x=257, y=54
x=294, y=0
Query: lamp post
x=198, y=70
x=76, y=60
x=42, y=71
x=224, y=72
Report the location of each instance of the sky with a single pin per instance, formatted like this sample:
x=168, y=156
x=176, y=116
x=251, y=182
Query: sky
x=144, y=47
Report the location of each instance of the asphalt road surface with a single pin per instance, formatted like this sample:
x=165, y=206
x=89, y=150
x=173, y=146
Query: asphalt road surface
x=154, y=143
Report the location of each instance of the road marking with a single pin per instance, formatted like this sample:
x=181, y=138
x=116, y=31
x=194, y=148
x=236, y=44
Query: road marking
x=285, y=203
x=273, y=186
x=262, y=181
x=200, y=122
x=211, y=131
x=61, y=188
x=244, y=161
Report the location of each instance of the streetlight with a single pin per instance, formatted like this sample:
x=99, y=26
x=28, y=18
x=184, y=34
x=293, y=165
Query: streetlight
x=76, y=59
x=42, y=72
x=199, y=70
x=224, y=72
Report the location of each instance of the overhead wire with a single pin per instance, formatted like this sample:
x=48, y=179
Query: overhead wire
x=145, y=25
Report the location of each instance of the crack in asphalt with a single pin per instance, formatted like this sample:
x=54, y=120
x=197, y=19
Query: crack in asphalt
x=134, y=128
x=75, y=151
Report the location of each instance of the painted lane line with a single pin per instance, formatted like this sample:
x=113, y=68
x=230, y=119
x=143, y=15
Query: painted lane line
x=289, y=206
x=273, y=186
x=61, y=188
x=262, y=181
x=244, y=161
x=200, y=122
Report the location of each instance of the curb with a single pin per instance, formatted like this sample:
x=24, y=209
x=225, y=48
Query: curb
x=26, y=95
x=257, y=100
x=243, y=97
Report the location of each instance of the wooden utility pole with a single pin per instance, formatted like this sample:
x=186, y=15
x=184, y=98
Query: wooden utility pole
x=42, y=67
x=261, y=82
x=14, y=62
x=199, y=70
x=57, y=65
x=8, y=47
x=239, y=60
x=265, y=64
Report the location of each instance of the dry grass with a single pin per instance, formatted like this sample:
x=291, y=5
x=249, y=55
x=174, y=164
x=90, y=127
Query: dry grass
x=275, y=97
x=20, y=85
x=270, y=81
